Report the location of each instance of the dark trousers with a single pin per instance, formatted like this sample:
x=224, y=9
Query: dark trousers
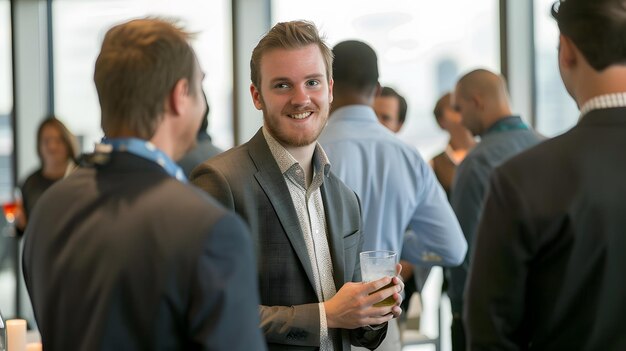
x=458, y=333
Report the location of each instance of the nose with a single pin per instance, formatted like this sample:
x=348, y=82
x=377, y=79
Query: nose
x=300, y=96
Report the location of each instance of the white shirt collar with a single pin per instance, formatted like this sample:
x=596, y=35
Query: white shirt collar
x=603, y=101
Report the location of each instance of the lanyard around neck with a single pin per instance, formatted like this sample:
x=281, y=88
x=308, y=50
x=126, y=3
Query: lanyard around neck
x=143, y=149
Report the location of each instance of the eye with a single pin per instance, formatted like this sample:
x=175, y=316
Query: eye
x=281, y=85
x=313, y=83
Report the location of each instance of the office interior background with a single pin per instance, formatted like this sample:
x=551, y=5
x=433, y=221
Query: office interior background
x=48, y=49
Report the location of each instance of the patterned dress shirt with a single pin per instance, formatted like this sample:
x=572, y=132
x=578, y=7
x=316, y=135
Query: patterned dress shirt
x=310, y=209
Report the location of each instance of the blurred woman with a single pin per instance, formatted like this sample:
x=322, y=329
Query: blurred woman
x=57, y=150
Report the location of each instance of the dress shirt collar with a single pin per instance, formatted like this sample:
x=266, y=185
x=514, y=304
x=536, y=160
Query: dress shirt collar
x=286, y=161
x=354, y=112
x=603, y=101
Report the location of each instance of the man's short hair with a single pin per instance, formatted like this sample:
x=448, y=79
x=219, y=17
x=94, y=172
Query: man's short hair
x=390, y=92
x=139, y=64
x=355, y=67
x=444, y=102
x=289, y=35
x=597, y=28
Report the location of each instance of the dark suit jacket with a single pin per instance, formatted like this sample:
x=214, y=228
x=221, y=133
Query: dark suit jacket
x=548, y=269
x=247, y=179
x=124, y=257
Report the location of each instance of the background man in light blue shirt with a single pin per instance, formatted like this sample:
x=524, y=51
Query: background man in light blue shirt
x=398, y=190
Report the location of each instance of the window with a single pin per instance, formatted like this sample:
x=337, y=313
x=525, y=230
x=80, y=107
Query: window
x=422, y=48
x=556, y=110
x=7, y=244
x=78, y=30
x=6, y=103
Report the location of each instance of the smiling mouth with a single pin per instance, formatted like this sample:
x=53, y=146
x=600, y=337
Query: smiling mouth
x=301, y=115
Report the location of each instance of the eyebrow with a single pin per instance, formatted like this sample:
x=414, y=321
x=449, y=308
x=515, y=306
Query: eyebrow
x=310, y=76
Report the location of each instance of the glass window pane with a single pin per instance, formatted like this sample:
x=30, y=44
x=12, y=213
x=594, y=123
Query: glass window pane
x=556, y=110
x=78, y=30
x=422, y=48
x=6, y=102
x=7, y=248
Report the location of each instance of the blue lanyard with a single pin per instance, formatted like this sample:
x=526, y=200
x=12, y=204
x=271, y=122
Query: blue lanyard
x=144, y=149
x=508, y=124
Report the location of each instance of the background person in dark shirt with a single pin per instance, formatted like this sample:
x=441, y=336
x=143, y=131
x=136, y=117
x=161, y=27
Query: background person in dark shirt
x=57, y=149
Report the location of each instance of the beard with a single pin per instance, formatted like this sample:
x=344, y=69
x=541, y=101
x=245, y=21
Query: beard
x=287, y=136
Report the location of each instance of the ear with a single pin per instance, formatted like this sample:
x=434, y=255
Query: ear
x=178, y=95
x=567, y=52
x=256, y=97
x=477, y=100
x=331, y=83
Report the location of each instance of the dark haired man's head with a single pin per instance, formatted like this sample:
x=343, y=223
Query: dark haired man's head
x=597, y=28
x=592, y=47
x=390, y=107
x=355, y=68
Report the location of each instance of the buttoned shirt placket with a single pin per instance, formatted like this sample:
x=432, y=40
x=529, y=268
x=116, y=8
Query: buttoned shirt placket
x=312, y=219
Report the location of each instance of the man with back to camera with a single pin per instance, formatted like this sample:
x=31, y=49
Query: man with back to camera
x=305, y=221
x=390, y=108
x=482, y=100
x=122, y=254
x=548, y=272
x=398, y=190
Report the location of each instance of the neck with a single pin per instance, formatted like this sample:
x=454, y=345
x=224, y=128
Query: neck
x=496, y=115
x=55, y=170
x=591, y=84
x=461, y=138
x=304, y=156
x=347, y=98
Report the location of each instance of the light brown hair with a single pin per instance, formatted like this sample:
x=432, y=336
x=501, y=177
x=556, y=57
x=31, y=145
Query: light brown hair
x=289, y=35
x=69, y=140
x=138, y=66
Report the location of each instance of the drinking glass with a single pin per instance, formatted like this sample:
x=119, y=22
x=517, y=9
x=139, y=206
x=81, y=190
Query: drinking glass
x=376, y=265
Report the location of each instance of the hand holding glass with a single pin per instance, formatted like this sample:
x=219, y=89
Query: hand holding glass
x=376, y=265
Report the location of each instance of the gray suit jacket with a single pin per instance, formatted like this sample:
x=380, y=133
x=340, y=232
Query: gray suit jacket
x=248, y=180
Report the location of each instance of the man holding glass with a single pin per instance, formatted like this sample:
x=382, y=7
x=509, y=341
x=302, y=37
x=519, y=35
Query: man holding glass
x=306, y=223
x=122, y=254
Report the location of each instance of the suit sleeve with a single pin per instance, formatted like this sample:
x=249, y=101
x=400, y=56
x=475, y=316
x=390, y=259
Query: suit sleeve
x=223, y=313
x=435, y=237
x=495, y=293
x=468, y=194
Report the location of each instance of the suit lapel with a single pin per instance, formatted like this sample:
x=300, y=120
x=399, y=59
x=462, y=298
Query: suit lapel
x=335, y=239
x=273, y=184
